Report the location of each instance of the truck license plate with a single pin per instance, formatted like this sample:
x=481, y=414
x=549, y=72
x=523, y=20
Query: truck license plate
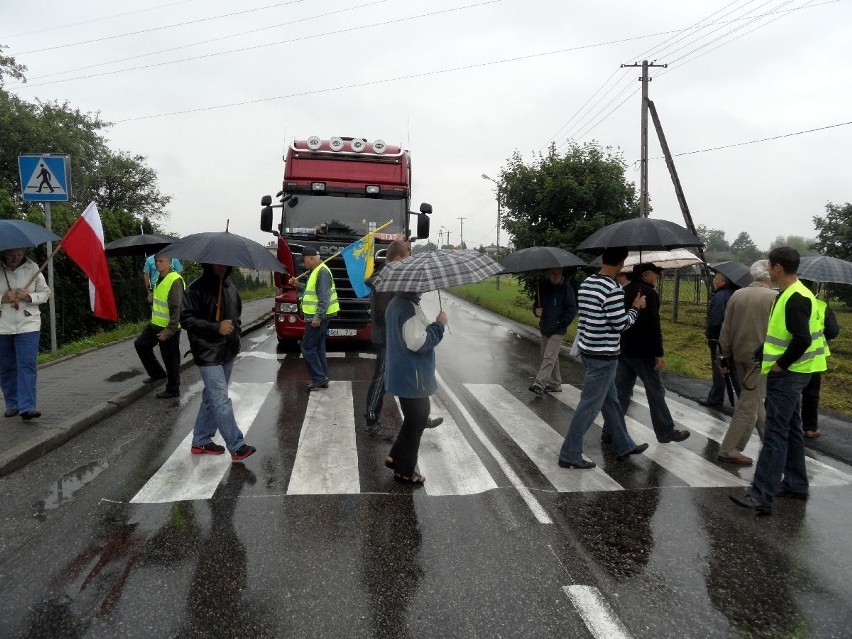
x=342, y=332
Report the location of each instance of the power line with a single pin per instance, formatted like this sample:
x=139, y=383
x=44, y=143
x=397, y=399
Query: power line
x=170, y=5
x=759, y=140
x=268, y=44
x=161, y=28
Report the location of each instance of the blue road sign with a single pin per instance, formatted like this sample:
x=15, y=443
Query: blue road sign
x=44, y=178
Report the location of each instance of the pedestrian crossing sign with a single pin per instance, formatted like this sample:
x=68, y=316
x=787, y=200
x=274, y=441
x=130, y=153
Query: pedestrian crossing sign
x=45, y=178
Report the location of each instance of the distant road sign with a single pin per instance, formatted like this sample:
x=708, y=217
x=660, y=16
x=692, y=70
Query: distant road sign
x=45, y=178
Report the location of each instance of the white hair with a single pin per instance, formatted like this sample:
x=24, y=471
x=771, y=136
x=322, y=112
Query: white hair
x=760, y=270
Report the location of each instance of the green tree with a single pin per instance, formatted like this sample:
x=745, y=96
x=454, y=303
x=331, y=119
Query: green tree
x=745, y=250
x=560, y=199
x=714, y=239
x=803, y=245
x=834, y=231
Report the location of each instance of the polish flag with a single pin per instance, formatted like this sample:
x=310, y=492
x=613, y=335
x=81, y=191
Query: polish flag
x=84, y=243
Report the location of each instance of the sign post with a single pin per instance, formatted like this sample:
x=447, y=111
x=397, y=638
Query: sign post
x=46, y=178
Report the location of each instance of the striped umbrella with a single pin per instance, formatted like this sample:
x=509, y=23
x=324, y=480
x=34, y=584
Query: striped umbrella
x=434, y=270
x=821, y=268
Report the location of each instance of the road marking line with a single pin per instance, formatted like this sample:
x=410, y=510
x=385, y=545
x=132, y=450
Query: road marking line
x=819, y=473
x=537, y=510
x=185, y=476
x=596, y=613
x=447, y=459
x=538, y=440
x=681, y=462
x=326, y=457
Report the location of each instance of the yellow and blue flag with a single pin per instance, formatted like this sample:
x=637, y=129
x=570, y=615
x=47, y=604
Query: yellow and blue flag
x=359, y=263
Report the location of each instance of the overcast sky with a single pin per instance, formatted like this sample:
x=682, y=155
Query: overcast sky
x=462, y=84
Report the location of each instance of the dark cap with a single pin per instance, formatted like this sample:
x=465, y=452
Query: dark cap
x=646, y=266
x=307, y=251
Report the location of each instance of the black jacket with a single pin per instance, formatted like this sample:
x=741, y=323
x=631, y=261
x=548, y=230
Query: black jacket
x=645, y=337
x=559, y=306
x=198, y=317
x=378, y=305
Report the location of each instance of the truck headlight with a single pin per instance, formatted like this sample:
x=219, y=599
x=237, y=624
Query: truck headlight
x=286, y=307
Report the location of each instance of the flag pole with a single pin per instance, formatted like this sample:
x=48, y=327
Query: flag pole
x=331, y=257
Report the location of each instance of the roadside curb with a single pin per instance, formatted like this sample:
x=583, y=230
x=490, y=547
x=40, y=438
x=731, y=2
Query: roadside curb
x=19, y=456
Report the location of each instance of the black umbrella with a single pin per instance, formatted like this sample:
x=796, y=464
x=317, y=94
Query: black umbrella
x=736, y=272
x=821, y=268
x=640, y=234
x=22, y=234
x=142, y=244
x=538, y=258
x=224, y=248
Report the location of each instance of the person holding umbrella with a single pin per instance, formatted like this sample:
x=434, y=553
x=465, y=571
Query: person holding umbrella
x=210, y=313
x=723, y=288
x=23, y=289
x=603, y=317
x=555, y=306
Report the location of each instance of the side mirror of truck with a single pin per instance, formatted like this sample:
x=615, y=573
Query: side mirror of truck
x=426, y=208
x=423, y=226
x=266, y=219
x=266, y=200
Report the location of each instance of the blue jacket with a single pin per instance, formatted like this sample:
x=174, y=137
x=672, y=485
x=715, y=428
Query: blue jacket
x=410, y=340
x=716, y=311
x=558, y=305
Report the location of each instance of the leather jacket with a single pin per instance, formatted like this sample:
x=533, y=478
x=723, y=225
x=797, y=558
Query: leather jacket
x=198, y=317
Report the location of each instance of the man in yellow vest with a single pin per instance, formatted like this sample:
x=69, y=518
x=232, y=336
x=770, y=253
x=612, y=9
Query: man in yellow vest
x=163, y=330
x=319, y=303
x=794, y=348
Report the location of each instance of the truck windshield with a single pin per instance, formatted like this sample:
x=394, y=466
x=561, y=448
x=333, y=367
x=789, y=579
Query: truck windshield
x=360, y=214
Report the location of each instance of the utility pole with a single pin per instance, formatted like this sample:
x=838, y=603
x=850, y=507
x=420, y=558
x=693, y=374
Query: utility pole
x=461, y=231
x=643, y=167
x=447, y=231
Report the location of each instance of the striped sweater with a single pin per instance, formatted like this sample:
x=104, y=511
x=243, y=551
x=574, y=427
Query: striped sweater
x=602, y=316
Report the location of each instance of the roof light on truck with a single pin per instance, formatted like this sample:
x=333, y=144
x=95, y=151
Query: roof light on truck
x=336, y=144
x=314, y=142
x=358, y=145
x=379, y=146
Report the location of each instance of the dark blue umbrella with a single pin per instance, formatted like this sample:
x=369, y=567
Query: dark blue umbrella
x=23, y=234
x=228, y=249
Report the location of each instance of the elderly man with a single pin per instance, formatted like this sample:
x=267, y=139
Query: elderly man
x=319, y=303
x=793, y=349
x=741, y=338
x=555, y=307
x=723, y=289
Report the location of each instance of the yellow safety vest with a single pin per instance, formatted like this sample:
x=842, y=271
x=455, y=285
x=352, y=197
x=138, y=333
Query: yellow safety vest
x=160, y=309
x=821, y=306
x=310, y=299
x=778, y=338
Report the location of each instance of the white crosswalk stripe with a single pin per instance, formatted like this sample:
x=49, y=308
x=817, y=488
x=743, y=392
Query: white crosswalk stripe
x=819, y=473
x=327, y=459
x=186, y=476
x=538, y=440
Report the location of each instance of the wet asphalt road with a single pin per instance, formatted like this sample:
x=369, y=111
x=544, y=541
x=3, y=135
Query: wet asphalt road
x=500, y=549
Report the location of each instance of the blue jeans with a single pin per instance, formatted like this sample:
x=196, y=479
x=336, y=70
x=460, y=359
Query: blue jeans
x=783, y=452
x=313, y=350
x=216, y=412
x=18, y=354
x=629, y=368
x=598, y=395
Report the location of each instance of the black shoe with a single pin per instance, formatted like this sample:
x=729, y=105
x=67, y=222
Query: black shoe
x=152, y=380
x=677, y=436
x=748, y=501
x=242, y=452
x=637, y=450
x=582, y=464
x=537, y=388
x=434, y=422
x=210, y=448
x=791, y=494
x=30, y=414
x=167, y=394
x=317, y=385
x=10, y=412
x=552, y=388
x=710, y=404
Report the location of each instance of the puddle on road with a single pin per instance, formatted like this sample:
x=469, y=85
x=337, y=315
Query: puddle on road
x=64, y=489
x=123, y=375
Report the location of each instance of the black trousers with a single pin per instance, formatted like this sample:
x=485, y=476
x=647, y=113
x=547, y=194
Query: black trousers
x=415, y=416
x=810, y=403
x=376, y=393
x=718, y=392
x=170, y=352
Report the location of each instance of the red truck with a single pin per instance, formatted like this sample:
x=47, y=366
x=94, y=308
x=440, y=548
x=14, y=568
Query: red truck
x=334, y=192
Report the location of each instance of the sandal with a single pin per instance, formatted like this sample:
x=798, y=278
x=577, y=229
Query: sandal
x=390, y=462
x=414, y=479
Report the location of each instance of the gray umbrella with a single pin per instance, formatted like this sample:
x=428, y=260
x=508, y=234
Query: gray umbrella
x=736, y=272
x=821, y=268
x=224, y=248
x=640, y=234
x=22, y=234
x=434, y=270
x=142, y=244
x=538, y=258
